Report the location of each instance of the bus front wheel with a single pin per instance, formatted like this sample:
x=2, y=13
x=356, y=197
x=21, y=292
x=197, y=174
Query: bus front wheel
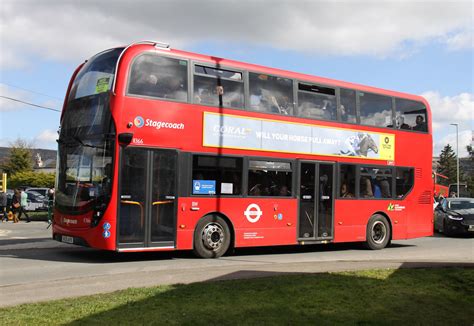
x=378, y=232
x=211, y=237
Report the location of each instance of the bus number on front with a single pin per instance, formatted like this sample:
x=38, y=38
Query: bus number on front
x=138, y=141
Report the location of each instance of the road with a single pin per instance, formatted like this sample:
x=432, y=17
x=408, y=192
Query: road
x=35, y=268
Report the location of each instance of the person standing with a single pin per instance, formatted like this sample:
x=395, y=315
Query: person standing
x=23, y=204
x=50, y=204
x=3, y=206
x=16, y=205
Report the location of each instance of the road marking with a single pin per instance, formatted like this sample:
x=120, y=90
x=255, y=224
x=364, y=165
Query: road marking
x=4, y=233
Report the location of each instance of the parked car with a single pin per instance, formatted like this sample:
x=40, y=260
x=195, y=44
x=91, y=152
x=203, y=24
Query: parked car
x=455, y=216
x=36, y=201
x=42, y=191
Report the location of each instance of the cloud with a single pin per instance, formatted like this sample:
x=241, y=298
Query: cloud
x=465, y=138
x=46, y=139
x=77, y=29
x=450, y=109
x=461, y=40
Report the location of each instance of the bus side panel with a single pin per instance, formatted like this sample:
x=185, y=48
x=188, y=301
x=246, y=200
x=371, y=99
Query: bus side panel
x=420, y=221
x=269, y=222
x=352, y=216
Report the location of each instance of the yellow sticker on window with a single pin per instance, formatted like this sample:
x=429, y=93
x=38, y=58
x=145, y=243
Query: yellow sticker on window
x=102, y=85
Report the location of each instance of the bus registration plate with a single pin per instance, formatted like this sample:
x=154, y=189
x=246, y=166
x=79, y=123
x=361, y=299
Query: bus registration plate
x=67, y=239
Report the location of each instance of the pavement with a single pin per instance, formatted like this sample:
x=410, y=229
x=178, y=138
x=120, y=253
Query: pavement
x=36, y=268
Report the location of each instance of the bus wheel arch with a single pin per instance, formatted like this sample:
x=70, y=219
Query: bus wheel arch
x=213, y=236
x=378, y=231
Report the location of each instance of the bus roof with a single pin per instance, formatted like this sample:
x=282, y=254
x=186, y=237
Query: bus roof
x=228, y=63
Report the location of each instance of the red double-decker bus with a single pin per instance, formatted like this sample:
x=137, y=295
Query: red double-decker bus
x=161, y=149
x=441, y=183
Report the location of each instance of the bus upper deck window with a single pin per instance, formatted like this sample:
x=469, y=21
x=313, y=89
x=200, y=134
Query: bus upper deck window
x=375, y=110
x=410, y=115
x=348, y=105
x=218, y=87
x=271, y=94
x=316, y=102
x=160, y=77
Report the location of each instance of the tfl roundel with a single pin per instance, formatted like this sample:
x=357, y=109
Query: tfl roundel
x=139, y=122
x=253, y=213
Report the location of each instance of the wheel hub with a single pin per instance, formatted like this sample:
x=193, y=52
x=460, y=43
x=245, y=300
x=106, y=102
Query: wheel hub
x=213, y=236
x=379, y=232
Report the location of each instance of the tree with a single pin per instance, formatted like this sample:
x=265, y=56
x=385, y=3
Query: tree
x=20, y=158
x=447, y=163
x=32, y=179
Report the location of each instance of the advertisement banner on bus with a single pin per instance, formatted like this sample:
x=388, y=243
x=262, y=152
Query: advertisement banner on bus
x=231, y=131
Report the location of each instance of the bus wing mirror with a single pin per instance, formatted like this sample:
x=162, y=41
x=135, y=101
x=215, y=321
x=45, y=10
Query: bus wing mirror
x=125, y=138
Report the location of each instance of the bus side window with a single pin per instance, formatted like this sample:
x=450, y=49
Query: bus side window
x=218, y=87
x=269, y=178
x=375, y=110
x=404, y=181
x=316, y=102
x=223, y=174
x=161, y=77
x=271, y=94
x=347, y=181
x=348, y=105
x=413, y=114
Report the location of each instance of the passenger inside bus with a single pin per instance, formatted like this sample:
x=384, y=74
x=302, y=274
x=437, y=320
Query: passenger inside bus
x=366, y=188
x=345, y=191
x=384, y=187
x=284, y=191
x=401, y=123
x=420, y=124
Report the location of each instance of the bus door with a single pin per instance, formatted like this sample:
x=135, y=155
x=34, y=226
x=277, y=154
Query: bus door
x=147, y=190
x=316, y=201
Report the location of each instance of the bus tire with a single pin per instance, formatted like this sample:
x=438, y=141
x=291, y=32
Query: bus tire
x=378, y=232
x=211, y=237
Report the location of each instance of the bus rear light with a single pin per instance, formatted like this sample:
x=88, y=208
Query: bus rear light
x=289, y=224
x=182, y=226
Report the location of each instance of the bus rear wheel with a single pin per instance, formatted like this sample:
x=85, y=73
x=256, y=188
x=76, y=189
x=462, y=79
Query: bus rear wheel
x=211, y=237
x=378, y=232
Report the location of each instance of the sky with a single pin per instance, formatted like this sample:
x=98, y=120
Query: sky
x=417, y=47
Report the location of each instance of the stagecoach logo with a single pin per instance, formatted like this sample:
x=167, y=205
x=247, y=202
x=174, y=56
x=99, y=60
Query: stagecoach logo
x=139, y=122
x=69, y=221
x=253, y=213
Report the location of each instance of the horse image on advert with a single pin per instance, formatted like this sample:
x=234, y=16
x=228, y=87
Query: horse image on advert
x=359, y=145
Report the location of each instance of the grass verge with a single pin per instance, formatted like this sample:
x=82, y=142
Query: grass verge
x=417, y=296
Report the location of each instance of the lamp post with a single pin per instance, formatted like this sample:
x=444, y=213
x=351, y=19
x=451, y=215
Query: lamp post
x=457, y=156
